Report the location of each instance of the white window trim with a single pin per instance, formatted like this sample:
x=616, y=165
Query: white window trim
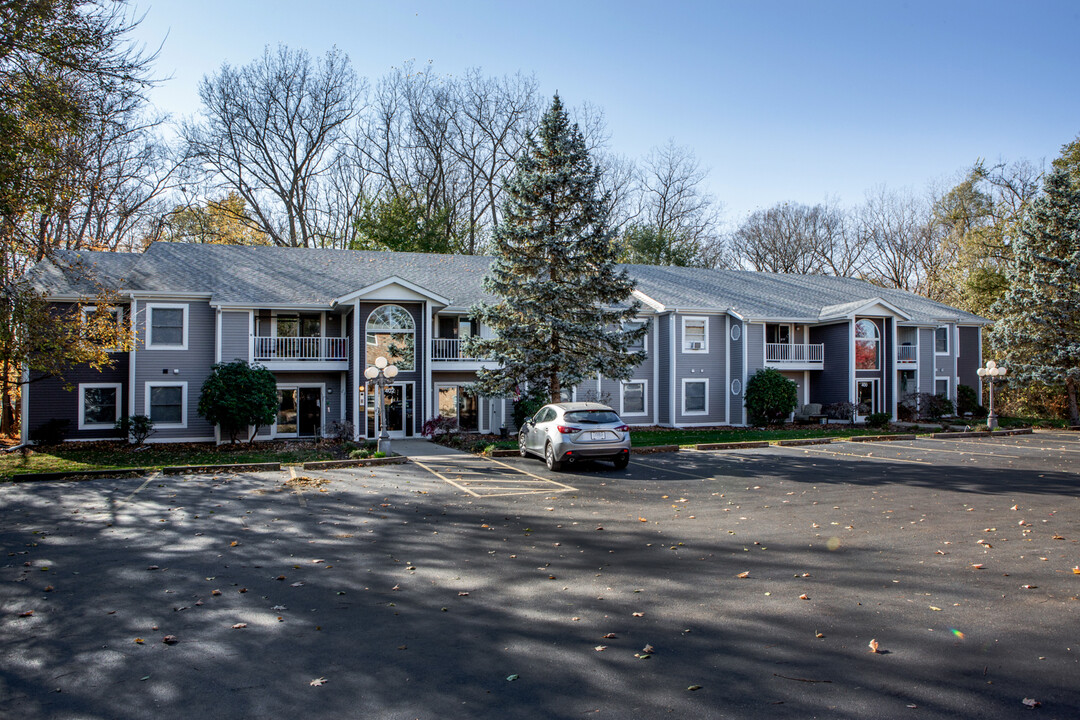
x=323, y=409
x=877, y=344
x=83, y=387
x=150, y=344
x=644, y=398
x=183, y=402
x=645, y=338
x=948, y=341
x=948, y=385
x=791, y=332
x=117, y=310
x=685, y=343
x=695, y=412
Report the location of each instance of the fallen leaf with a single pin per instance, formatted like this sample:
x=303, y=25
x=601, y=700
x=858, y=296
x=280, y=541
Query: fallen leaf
x=234, y=543
x=139, y=641
x=743, y=574
x=1031, y=702
x=215, y=592
x=153, y=567
x=317, y=682
x=600, y=648
x=169, y=640
x=641, y=519
x=692, y=688
x=1014, y=507
x=977, y=566
x=1029, y=587
x=239, y=626
x=804, y=597
x=648, y=649
x=279, y=608
x=49, y=588
x=935, y=608
x=28, y=613
x=819, y=635
x=1076, y=570
x=512, y=678
x=638, y=614
x=610, y=636
x=463, y=594
x=939, y=552
x=874, y=646
x=300, y=584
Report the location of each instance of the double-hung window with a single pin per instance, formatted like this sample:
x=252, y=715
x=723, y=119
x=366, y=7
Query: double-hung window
x=167, y=326
x=166, y=404
x=695, y=333
x=941, y=340
x=116, y=319
x=695, y=397
x=634, y=398
x=638, y=345
x=99, y=405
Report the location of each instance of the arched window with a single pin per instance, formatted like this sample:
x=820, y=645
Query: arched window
x=391, y=333
x=866, y=345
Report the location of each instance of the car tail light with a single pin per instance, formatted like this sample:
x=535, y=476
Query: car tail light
x=567, y=430
x=623, y=428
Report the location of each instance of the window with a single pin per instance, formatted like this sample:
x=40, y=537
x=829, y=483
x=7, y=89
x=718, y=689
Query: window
x=941, y=386
x=639, y=345
x=695, y=400
x=866, y=345
x=166, y=404
x=167, y=325
x=99, y=405
x=778, y=334
x=736, y=386
x=89, y=311
x=633, y=399
x=695, y=335
x=736, y=332
x=941, y=341
x=391, y=333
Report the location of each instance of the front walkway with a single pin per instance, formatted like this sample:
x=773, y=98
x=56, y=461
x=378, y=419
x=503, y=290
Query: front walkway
x=415, y=447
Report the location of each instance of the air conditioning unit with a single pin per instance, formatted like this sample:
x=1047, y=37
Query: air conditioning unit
x=697, y=346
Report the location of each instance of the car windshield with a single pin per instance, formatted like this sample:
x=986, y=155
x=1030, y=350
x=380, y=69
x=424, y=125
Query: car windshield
x=591, y=416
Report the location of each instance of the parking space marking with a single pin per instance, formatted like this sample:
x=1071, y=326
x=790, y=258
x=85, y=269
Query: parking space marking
x=1018, y=447
x=141, y=487
x=677, y=472
x=962, y=452
x=866, y=457
x=499, y=481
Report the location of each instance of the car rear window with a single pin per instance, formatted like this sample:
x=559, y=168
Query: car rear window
x=591, y=416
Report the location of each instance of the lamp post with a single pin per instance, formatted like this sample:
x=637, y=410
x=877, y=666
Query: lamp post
x=992, y=372
x=380, y=375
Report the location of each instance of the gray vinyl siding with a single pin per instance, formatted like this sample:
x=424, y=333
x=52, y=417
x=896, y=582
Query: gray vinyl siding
x=735, y=353
x=662, y=324
x=611, y=390
x=333, y=325
x=969, y=361
x=799, y=378
x=926, y=360
x=48, y=399
x=833, y=382
x=235, y=336
x=702, y=366
x=755, y=348
x=193, y=365
x=945, y=365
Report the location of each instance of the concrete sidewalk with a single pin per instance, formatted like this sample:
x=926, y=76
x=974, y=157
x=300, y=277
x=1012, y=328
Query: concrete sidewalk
x=415, y=447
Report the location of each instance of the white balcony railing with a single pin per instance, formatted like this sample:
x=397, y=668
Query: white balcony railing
x=782, y=353
x=907, y=354
x=450, y=350
x=301, y=348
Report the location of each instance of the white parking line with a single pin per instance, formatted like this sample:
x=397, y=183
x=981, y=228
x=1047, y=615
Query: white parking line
x=864, y=457
x=141, y=487
x=996, y=444
x=962, y=452
x=529, y=485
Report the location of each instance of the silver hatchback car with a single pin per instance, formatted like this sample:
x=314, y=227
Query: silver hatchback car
x=575, y=432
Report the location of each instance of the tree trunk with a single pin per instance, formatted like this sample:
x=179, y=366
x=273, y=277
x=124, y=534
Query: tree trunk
x=1074, y=413
x=7, y=412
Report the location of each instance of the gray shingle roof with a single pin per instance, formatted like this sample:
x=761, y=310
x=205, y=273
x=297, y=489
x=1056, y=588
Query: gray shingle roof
x=244, y=275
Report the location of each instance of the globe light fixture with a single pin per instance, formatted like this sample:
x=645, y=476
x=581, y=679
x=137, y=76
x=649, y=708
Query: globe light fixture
x=380, y=374
x=992, y=373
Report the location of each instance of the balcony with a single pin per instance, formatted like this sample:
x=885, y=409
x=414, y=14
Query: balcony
x=301, y=353
x=449, y=354
x=907, y=354
x=788, y=356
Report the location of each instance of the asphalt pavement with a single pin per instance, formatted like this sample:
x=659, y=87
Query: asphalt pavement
x=745, y=584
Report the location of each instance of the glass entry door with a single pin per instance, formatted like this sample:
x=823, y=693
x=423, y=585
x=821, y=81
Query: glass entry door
x=399, y=402
x=455, y=403
x=299, y=412
x=866, y=397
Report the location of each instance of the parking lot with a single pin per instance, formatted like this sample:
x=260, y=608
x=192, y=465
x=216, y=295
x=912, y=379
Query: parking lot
x=693, y=584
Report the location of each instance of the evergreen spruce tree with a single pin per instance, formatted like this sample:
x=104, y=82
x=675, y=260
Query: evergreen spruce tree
x=1038, y=333
x=563, y=300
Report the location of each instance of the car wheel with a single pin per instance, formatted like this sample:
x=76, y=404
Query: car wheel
x=523, y=444
x=549, y=457
x=622, y=461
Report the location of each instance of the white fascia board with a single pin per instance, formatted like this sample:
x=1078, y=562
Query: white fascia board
x=650, y=302
x=784, y=320
x=702, y=311
x=393, y=280
x=275, y=306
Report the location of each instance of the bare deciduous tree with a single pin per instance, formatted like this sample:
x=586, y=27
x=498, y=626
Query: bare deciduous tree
x=274, y=131
x=795, y=238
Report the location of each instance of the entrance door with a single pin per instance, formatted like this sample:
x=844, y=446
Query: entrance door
x=299, y=412
x=866, y=397
x=399, y=402
x=455, y=403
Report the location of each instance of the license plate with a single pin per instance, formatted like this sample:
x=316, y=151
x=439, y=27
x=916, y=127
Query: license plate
x=598, y=435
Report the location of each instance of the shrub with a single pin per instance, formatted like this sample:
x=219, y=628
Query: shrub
x=905, y=410
x=378, y=454
x=135, y=428
x=50, y=432
x=440, y=429
x=934, y=407
x=878, y=420
x=840, y=411
x=967, y=401
x=362, y=454
x=770, y=397
x=339, y=431
x=238, y=395
x=528, y=405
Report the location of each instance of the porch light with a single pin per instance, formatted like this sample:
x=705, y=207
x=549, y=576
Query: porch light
x=992, y=373
x=380, y=374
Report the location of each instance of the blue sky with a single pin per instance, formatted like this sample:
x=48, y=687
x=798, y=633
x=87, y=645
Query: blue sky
x=782, y=101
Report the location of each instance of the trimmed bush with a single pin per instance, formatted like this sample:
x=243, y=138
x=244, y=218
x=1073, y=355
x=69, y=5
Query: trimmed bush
x=770, y=397
x=135, y=428
x=879, y=420
x=238, y=395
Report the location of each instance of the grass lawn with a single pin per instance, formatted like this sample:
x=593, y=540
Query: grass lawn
x=115, y=455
